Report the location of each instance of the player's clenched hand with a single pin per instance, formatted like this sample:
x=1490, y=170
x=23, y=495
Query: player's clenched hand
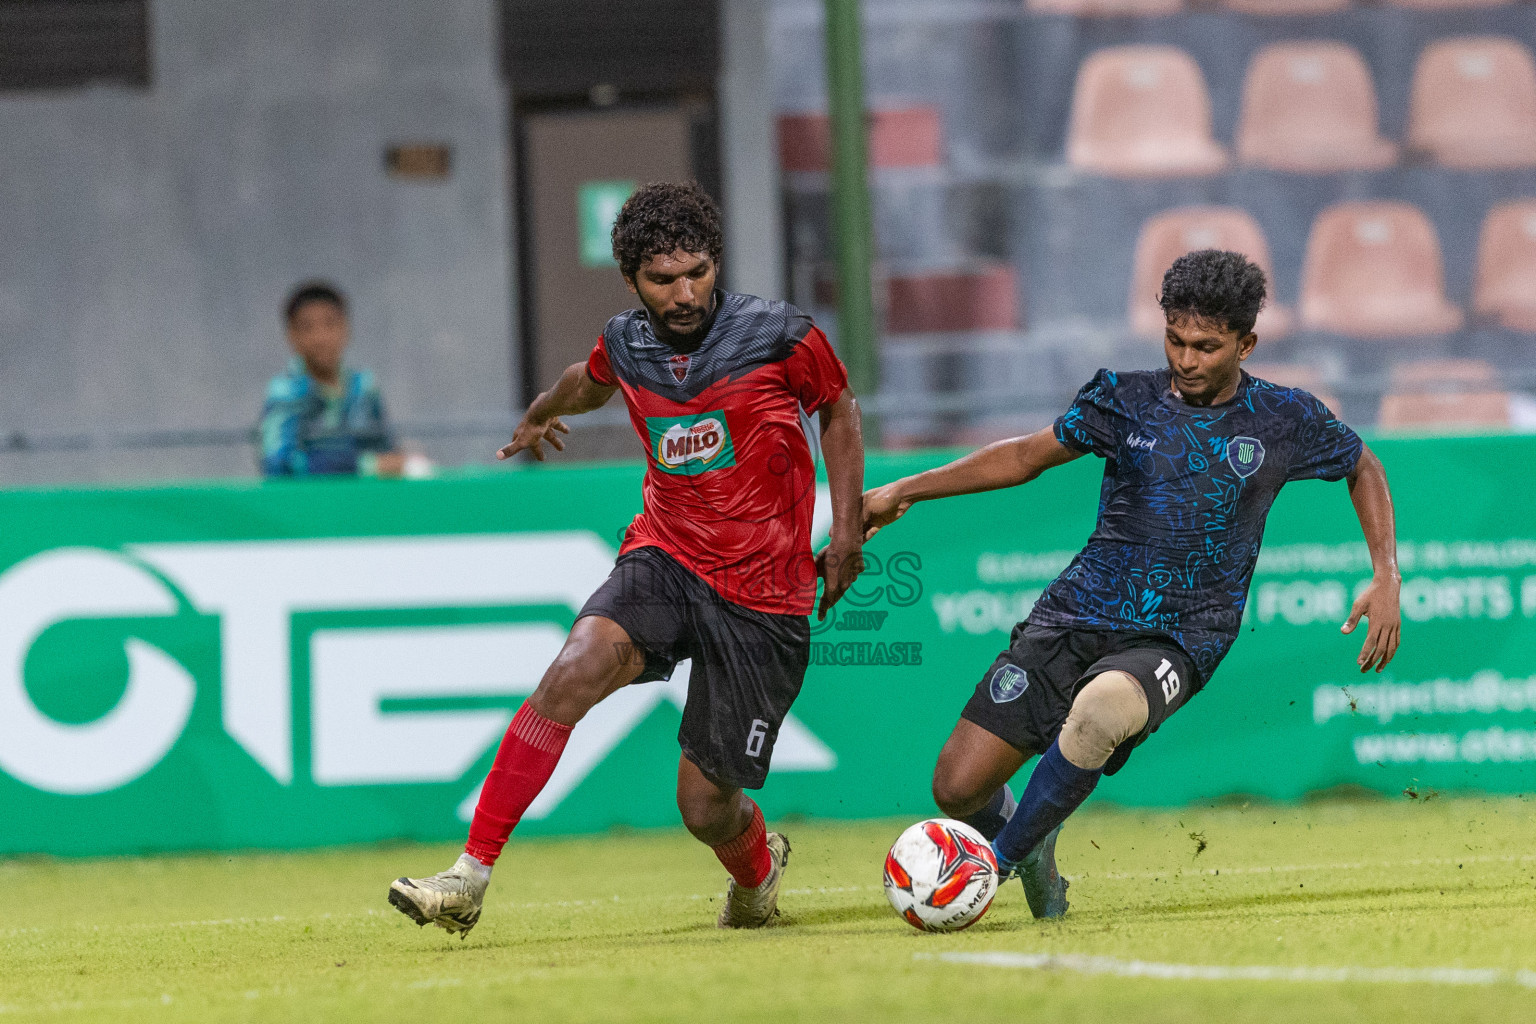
x=838, y=565
x=1378, y=605
x=531, y=434
x=882, y=507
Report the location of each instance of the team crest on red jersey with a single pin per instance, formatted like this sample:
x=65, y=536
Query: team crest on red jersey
x=679, y=364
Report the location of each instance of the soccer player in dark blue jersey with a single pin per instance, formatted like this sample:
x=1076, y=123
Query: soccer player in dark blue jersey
x=1194, y=456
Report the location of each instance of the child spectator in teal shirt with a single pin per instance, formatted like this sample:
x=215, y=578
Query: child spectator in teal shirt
x=322, y=416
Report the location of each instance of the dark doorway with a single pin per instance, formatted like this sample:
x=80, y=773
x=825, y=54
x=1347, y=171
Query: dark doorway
x=605, y=97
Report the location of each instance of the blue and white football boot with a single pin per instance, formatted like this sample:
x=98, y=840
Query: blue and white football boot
x=1044, y=887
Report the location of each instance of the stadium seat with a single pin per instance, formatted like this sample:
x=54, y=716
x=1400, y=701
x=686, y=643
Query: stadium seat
x=1105, y=8
x=1142, y=111
x=1434, y=5
x=905, y=137
x=1169, y=235
x=1442, y=375
x=1461, y=410
x=1444, y=393
x=1296, y=375
x=1373, y=270
x=1505, y=290
x=984, y=300
x=1473, y=104
x=1311, y=106
x=1285, y=7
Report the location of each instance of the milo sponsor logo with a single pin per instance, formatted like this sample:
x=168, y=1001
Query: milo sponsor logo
x=702, y=441
x=691, y=444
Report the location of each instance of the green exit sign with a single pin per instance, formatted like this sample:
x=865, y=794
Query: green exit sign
x=597, y=207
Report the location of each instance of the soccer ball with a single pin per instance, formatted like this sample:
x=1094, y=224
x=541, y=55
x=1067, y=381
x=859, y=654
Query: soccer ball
x=940, y=875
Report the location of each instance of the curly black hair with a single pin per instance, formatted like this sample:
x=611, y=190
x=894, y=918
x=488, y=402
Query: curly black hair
x=1216, y=286
x=662, y=217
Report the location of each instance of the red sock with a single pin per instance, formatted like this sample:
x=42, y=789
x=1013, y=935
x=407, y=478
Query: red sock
x=527, y=758
x=747, y=857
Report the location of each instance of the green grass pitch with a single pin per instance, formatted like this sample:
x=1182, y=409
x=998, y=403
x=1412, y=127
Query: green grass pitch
x=620, y=927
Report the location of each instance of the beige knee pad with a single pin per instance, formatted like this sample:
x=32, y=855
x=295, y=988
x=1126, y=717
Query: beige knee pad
x=1111, y=709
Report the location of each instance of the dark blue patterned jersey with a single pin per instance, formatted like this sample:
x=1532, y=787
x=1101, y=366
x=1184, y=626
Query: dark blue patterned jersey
x=1182, y=507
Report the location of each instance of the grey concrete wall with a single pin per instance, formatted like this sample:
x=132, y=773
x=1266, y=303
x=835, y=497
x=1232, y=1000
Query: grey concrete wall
x=147, y=238
x=753, y=201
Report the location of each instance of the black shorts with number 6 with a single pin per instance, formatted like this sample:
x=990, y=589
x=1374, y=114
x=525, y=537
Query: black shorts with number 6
x=748, y=665
x=1026, y=694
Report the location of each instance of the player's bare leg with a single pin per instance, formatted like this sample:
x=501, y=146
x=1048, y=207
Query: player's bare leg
x=728, y=821
x=1108, y=711
x=974, y=767
x=970, y=784
x=597, y=659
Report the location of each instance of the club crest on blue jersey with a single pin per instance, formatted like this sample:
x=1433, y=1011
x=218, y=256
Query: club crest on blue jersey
x=1245, y=455
x=1008, y=683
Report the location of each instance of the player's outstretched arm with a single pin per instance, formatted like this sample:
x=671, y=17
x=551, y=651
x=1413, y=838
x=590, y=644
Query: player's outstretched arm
x=1379, y=603
x=1000, y=464
x=574, y=393
x=842, y=446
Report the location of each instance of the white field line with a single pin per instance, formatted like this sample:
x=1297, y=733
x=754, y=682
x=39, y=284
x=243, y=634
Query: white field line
x=1082, y=964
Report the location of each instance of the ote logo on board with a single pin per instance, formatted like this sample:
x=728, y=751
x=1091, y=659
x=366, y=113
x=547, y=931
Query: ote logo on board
x=1245, y=455
x=1008, y=683
x=691, y=444
x=354, y=674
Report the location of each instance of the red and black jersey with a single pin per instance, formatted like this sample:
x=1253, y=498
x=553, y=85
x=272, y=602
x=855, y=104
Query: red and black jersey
x=730, y=483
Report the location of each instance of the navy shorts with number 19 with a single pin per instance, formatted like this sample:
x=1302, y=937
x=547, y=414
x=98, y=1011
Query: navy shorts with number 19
x=1024, y=697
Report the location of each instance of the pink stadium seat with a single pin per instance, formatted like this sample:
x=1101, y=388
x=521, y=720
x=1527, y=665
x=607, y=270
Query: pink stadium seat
x=1444, y=393
x=1373, y=270
x=1296, y=375
x=1311, y=106
x=1142, y=111
x=905, y=137
x=1505, y=290
x=1105, y=8
x=1474, y=103
x=985, y=300
x=1423, y=376
x=1460, y=410
x=1430, y=5
x=1284, y=7
x=1171, y=234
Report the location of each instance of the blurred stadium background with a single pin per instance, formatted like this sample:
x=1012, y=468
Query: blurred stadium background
x=174, y=168
x=977, y=199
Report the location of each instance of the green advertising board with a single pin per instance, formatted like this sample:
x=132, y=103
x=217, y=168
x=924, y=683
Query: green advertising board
x=300, y=663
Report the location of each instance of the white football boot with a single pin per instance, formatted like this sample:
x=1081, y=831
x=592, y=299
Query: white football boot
x=753, y=908
x=449, y=899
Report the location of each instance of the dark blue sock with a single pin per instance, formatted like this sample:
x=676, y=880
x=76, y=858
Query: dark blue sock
x=989, y=821
x=1056, y=789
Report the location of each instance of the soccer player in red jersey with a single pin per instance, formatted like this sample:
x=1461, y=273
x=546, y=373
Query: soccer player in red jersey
x=718, y=566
